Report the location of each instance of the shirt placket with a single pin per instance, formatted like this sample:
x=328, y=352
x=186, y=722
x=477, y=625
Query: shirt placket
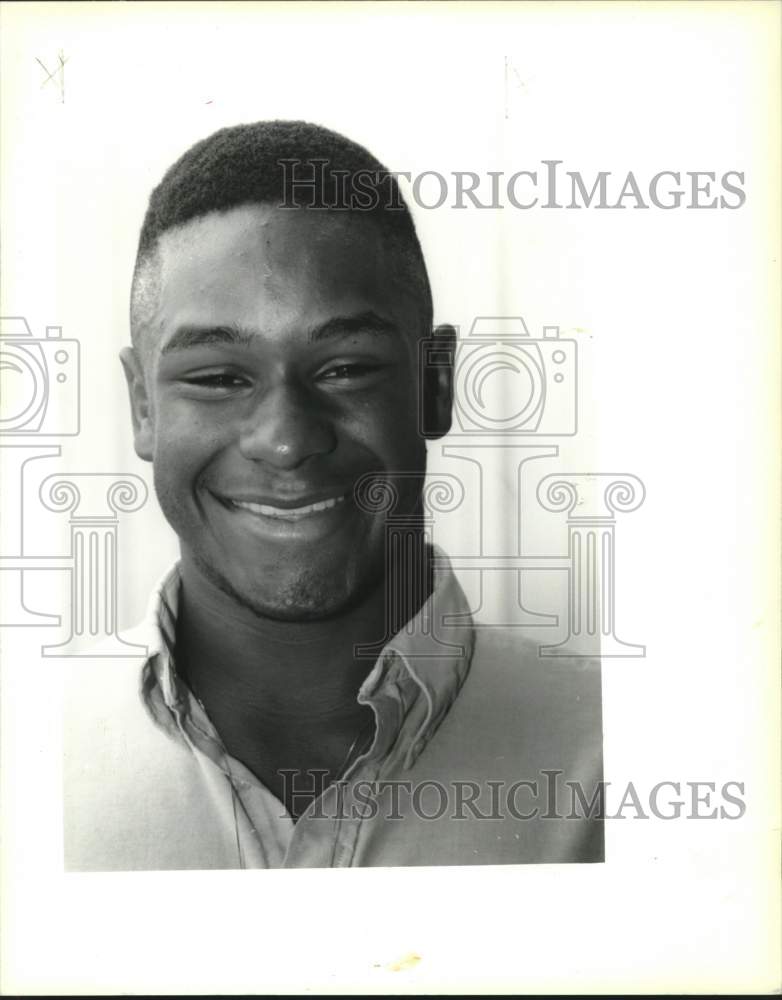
x=326, y=835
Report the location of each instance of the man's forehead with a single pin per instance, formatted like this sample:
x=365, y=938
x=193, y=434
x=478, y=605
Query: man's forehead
x=260, y=264
x=243, y=235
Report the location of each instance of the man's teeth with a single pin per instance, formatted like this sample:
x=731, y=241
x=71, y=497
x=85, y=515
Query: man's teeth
x=289, y=513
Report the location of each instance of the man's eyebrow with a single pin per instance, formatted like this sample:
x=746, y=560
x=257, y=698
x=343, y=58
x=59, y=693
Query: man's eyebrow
x=344, y=326
x=192, y=335
x=197, y=336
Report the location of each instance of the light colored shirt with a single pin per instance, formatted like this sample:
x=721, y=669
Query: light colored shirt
x=483, y=754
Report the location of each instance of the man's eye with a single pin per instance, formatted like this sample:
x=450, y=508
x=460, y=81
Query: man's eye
x=216, y=380
x=349, y=372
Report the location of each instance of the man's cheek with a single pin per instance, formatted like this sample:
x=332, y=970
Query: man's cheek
x=406, y=456
x=182, y=430
x=392, y=433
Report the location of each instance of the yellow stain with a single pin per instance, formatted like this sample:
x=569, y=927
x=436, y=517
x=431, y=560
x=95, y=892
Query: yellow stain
x=407, y=962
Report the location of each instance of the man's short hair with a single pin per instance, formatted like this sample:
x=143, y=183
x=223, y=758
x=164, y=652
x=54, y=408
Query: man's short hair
x=241, y=165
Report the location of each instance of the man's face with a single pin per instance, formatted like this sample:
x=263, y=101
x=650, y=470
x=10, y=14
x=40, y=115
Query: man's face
x=280, y=366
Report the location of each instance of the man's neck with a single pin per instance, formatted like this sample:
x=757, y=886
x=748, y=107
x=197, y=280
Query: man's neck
x=282, y=694
x=299, y=669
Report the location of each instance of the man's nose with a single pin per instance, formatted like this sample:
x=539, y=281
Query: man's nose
x=285, y=427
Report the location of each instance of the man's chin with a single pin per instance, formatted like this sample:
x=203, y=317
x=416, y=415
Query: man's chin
x=302, y=598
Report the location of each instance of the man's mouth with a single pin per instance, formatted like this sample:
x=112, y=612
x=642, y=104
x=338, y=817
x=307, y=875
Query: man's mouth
x=286, y=513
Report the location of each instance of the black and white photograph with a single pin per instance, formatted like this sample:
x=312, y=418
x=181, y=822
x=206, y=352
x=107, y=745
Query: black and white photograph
x=390, y=440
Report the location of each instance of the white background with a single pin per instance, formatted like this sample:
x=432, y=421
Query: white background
x=676, y=314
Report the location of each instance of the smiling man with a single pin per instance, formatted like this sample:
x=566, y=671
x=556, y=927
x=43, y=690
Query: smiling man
x=275, y=387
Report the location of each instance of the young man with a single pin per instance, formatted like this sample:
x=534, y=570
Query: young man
x=305, y=701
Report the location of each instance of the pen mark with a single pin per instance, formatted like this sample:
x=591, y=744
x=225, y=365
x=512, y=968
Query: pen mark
x=56, y=76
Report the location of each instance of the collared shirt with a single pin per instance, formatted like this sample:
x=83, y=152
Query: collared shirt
x=469, y=729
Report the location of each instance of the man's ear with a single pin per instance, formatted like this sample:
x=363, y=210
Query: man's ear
x=436, y=384
x=143, y=436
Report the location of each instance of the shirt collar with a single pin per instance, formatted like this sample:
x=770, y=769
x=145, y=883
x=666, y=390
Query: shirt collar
x=433, y=651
